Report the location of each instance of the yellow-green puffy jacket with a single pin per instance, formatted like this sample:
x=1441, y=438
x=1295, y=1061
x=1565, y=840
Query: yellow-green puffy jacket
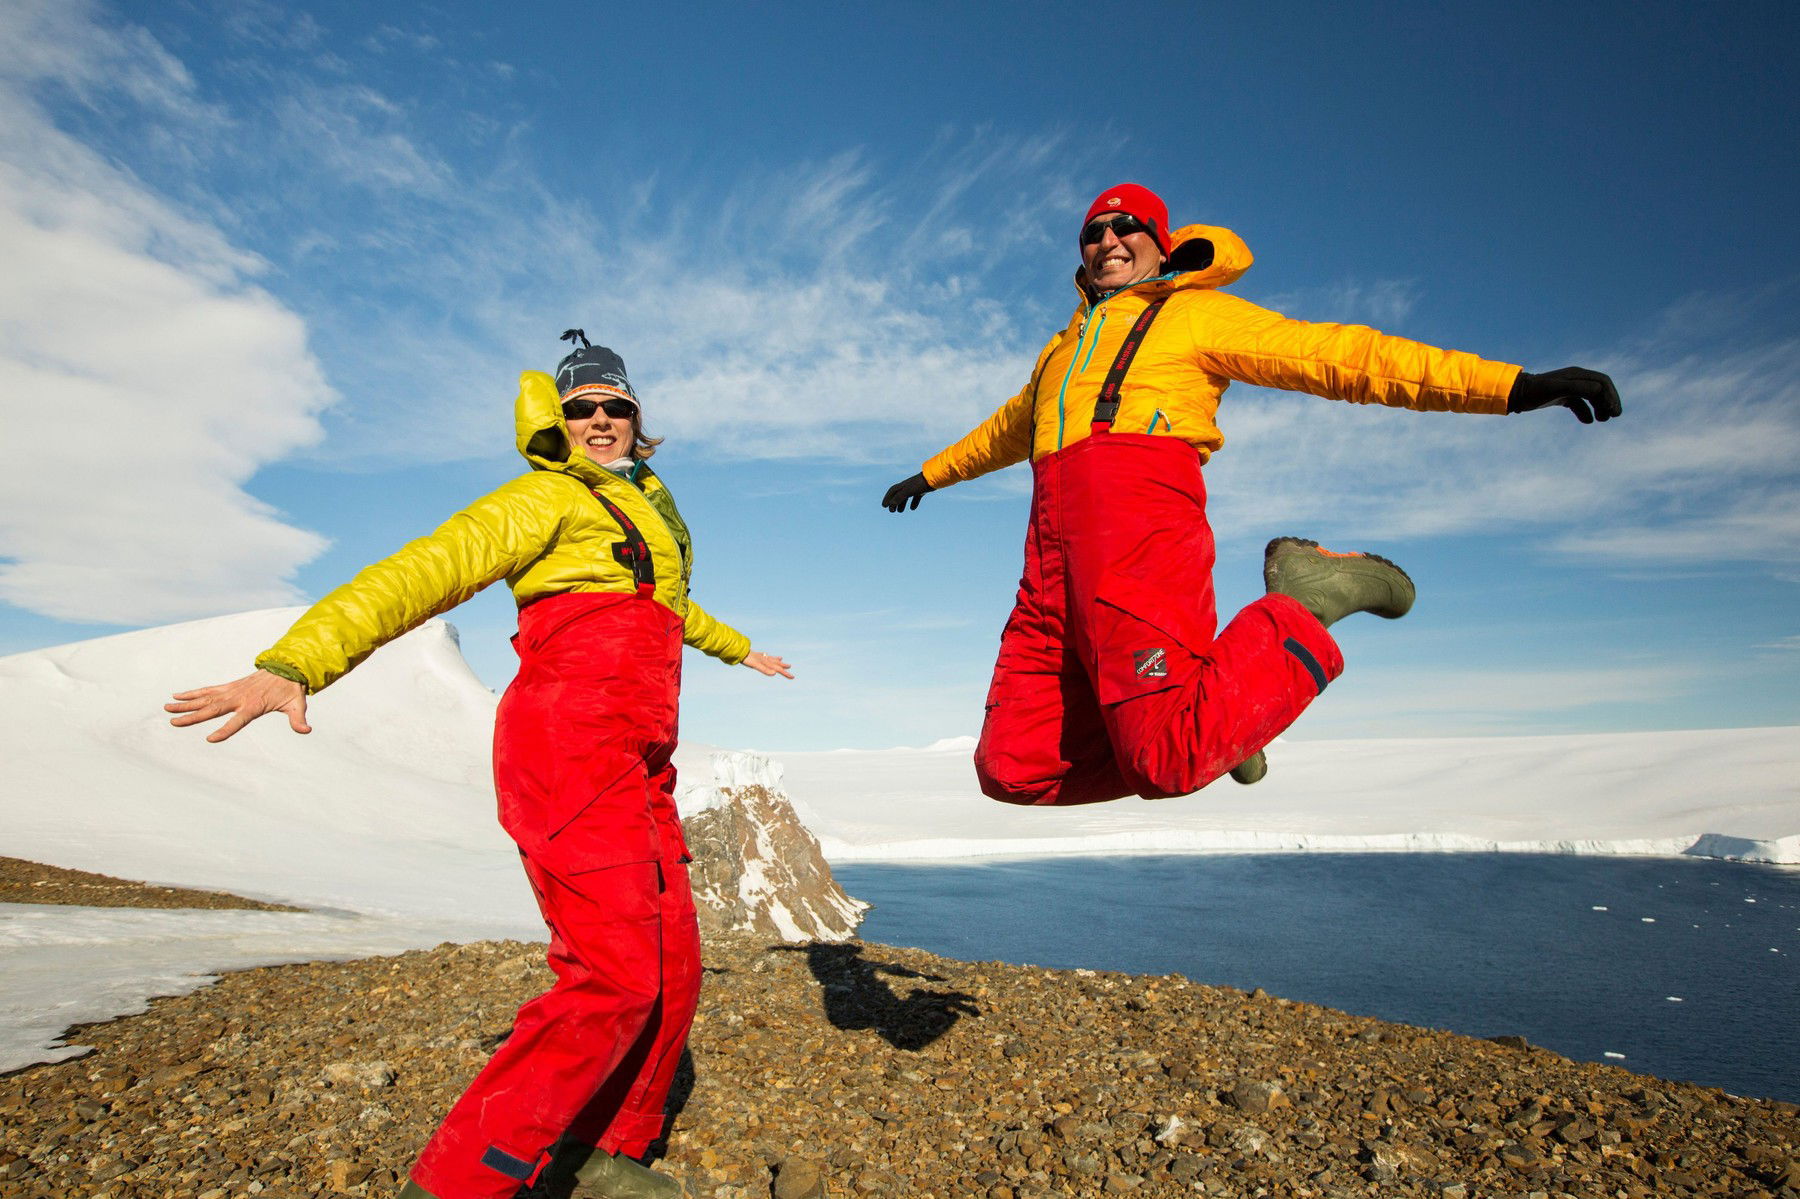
x=1200, y=341
x=544, y=532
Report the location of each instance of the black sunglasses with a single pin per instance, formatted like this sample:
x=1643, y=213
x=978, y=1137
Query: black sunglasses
x=583, y=408
x=1121, y=226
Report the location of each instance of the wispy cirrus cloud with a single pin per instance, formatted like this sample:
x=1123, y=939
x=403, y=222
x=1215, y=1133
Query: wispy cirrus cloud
x=358, y=136
x=61, y=44
x=813, y=304
x=1383, y=303
x=1703, y=466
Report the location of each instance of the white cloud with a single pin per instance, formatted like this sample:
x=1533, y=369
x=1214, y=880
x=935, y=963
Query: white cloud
x=1700, y=468
x=358, y=136
x=60, y=42
x=793, y=314
x=142, y=380
x=1383, y=303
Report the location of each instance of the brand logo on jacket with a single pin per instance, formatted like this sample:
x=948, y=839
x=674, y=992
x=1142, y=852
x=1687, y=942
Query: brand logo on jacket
x=1151, y=664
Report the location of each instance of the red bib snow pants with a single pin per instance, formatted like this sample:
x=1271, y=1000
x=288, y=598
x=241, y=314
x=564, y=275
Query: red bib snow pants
x=1110, y=681
x=582, y=742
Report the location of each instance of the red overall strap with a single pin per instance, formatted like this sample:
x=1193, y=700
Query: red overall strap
x=1106, y=408
x=634, y=551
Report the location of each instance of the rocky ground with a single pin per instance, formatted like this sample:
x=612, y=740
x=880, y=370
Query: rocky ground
x=855, y=1070
x=34, y=882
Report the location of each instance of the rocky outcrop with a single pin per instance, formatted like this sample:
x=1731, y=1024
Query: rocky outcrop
x=757, y=869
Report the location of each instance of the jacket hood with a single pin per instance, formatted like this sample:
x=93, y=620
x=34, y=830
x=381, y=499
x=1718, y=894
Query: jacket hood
x=1203, y=256
x=541, y=436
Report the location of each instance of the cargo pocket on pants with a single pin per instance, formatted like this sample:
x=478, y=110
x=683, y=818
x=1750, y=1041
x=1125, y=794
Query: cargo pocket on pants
x=1140, y=644
x=616, y=893
x=613, y=827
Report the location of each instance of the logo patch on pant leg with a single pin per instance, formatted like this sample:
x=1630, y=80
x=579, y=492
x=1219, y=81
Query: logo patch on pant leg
x=1150, y=664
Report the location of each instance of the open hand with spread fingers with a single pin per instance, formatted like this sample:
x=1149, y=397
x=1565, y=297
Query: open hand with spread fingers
x=243, y=700
x=769, y=664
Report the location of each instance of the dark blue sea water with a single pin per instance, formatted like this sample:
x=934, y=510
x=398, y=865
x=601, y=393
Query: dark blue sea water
x=1688, y=969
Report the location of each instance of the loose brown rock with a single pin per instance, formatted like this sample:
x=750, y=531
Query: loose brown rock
x=877, y=1071
x=799, y=1179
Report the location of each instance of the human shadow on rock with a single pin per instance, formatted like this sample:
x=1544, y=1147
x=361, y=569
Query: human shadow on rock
x=856, y=996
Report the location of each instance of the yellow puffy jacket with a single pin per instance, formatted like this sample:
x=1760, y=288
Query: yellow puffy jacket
x=1200, y=341
x=544, y=532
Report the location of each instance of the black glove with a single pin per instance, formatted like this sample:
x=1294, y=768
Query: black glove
x=1590, y=395
x=906, y=489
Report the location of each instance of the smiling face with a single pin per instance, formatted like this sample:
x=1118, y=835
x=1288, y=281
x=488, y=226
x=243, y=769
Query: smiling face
x=1114, y=262
x=602, y=437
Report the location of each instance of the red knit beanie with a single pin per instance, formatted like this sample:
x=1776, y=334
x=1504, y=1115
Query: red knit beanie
x=1140, y=202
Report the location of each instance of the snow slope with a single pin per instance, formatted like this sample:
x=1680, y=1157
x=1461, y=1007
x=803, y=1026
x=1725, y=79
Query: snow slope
x=1726, y=793
x=381, y=822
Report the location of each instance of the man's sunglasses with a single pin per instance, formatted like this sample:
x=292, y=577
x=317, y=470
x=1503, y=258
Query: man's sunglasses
x=1121, y=226
x=583, y=408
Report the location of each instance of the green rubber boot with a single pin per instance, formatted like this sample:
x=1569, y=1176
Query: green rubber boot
x=601, y=1175
x=1332, y=585
x=413, y=1190
x=1251, y=769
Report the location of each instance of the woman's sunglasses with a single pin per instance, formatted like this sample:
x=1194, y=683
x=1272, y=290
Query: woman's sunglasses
x=583, y=408
x=1121, y=226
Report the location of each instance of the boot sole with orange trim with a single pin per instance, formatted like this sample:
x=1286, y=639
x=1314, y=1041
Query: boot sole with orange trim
x=1332, y=585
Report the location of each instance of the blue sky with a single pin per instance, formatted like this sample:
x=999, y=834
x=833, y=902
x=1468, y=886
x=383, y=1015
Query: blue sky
x=273, y=271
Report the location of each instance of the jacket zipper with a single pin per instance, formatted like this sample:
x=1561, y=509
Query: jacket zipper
x=1099, y=310
x=1063, y=391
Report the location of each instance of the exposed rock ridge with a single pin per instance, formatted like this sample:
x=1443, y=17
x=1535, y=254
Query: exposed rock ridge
x=757, y=868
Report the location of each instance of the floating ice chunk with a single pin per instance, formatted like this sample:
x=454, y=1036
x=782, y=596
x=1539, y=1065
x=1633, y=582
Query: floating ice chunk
x=1648, y=919
x=1599, y=907
x=1673, y=998
x=1749, y=901
x=1615, y=1056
